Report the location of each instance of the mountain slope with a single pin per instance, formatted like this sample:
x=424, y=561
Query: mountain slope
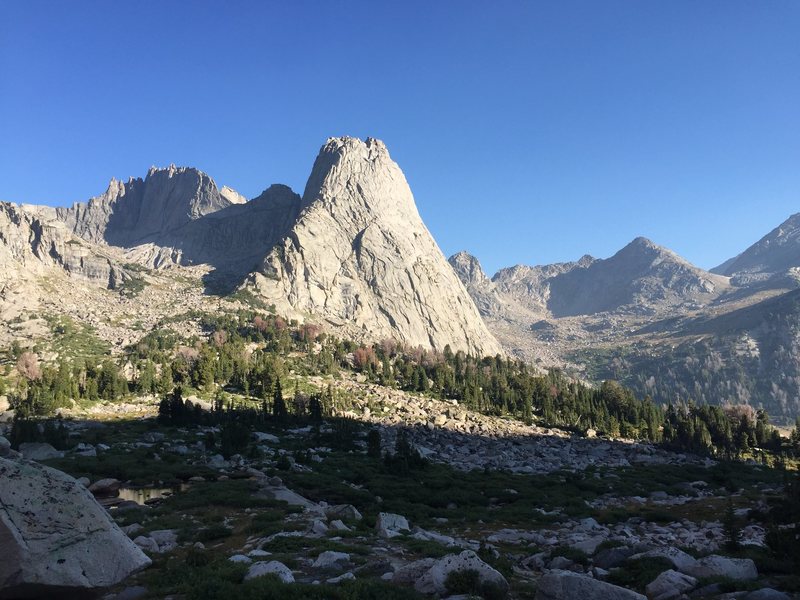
x=360, y=256
x=775, y=253
x=643, y=276
x=352, y=251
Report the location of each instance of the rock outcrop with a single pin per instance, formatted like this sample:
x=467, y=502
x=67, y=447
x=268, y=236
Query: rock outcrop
x=55, y=539
x=33, y=240
x=360, y=257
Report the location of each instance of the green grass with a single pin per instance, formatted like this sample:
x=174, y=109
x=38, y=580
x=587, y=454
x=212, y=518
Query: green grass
x=636, y=574
x=427, y=548
x=75, y=341
x=298, y=544
x=222, y=580
x=138, y=466
x=133, y=286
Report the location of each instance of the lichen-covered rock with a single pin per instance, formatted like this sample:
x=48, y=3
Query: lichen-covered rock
x=272, y=567
x=670, y=585
x=55, y=537
x=390, y=525
x=722, y=566
x=331, y=560
x=435, y=579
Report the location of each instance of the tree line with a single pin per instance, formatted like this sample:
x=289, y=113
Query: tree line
x=251, y=354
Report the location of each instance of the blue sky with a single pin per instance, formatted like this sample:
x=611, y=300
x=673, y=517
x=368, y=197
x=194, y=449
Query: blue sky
x=530, y=132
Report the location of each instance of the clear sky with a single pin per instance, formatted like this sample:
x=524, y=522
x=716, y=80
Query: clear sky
x=530, y=132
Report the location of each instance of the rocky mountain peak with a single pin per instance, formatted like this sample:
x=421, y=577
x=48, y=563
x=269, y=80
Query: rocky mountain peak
x=343, y=158
x=468, y=268
x=141, y=211
x=360, y=256
x=642, y=246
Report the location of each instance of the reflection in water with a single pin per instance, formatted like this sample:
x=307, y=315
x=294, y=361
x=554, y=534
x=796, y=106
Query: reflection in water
x=140, y=495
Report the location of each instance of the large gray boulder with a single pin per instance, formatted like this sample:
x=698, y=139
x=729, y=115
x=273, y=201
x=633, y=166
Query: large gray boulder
x=566, y=585
x=39, y=451
x=390, y=525
x=434, y=580
x=670, y=585
x=721, y=566
x=55, y=539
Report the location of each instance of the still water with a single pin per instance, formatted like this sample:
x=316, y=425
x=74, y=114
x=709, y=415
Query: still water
x=140, y=495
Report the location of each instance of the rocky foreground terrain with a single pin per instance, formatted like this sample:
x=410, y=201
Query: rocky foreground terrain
x=306, y=510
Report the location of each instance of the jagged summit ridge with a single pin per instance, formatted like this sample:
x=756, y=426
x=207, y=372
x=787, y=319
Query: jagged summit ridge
x=360, y=256
x=642, y=275
x=145, y=210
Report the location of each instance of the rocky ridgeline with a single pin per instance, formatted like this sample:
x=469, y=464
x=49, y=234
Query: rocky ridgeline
x=353, y=252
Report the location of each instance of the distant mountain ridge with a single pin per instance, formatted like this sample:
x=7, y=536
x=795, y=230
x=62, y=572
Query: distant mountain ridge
x=641, y=276
x=652, y=319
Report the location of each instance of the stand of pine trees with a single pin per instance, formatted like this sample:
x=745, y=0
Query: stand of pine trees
x=491, y=385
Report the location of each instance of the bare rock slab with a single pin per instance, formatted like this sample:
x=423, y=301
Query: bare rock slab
x=54, y=536
x=743, y=569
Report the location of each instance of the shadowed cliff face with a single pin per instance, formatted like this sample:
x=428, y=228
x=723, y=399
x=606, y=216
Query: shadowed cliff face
x=144, y=210
x=179, y=216
x=186, y=219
